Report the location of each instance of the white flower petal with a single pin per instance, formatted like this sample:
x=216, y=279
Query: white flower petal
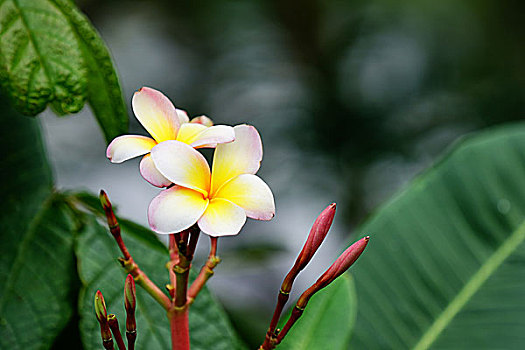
x=213, y=136
x=189, y=131
x=175, y=209
x=129, y=146
x=252, y=194
x=182, y=165
x=150, y=173
x=183, y=116
x=204, y=120
x=242, y=156
x=222, y=218
x=156, y=113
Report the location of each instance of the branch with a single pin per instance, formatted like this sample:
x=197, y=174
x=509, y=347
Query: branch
x=206, y=271
x=127, y=262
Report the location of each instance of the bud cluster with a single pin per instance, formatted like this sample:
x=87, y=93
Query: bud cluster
x=317, y=235
x=109, y=323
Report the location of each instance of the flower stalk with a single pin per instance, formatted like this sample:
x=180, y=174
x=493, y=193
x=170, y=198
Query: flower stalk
x=206, y=271
x=130, y=304
x=182, y=248
x=316, y=236
x=127, y=261
x=113, y=325
x=341, y=264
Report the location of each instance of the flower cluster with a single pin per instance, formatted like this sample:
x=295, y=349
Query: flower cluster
x=217, y=200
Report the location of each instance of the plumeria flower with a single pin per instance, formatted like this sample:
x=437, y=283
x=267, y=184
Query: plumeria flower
x=164, y=122
x=218, y=201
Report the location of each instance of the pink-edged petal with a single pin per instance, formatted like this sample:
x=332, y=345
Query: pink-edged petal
x=252, y=194
x=183, y=116
x=182, y=165
x=188, y=132
x=213, y=136
x=242, y=156
x=175, y=209
x=204, y=120
x=156, y=113
x=129, y=146
x=150, y=173
x=222, y=218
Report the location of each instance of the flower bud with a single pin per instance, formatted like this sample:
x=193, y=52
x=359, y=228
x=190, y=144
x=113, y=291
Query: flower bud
x=100, y=307
x=317, y=235
x=130, y=303
x=102, y=318
x=129, y=294
x=108, y=209
x=204, y=120
x=340, y=265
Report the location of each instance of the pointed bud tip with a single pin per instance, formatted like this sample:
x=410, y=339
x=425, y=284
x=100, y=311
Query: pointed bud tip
x=367, y=238
x=104, y=199
x=100, y=306
x=129, y=294
x=333, y=205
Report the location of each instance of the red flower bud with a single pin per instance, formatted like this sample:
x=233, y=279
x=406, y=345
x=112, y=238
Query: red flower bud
x=102, y=318
x=100, y=307
x=340, y=265
x=317, y=235
x=130, y=303
x=108, y=209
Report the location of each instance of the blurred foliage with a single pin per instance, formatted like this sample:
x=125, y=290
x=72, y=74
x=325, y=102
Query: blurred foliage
x=327, y=322
x=368, y=84
x=50, y=54
x=444, y=267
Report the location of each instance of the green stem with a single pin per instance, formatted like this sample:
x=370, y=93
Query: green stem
x=143, y=280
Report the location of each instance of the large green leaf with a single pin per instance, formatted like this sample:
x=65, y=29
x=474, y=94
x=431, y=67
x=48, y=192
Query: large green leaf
x=37, y=265
x=40, y=57
x=104, y=92
x=445, y=267
x=99, y=269
x=328, y=320
x=50, y=54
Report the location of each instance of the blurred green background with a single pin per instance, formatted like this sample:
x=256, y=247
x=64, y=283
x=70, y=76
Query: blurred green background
x=352, y=99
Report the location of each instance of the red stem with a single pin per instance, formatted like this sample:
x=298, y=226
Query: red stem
x=180, y=333
x=113, y=324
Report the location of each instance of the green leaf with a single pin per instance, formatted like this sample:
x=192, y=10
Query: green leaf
x=40, y=58
x=98, y=267
x=37, y=265
x=445, y=267
x=51, y=54
x=327, y=321
x=104, y=92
